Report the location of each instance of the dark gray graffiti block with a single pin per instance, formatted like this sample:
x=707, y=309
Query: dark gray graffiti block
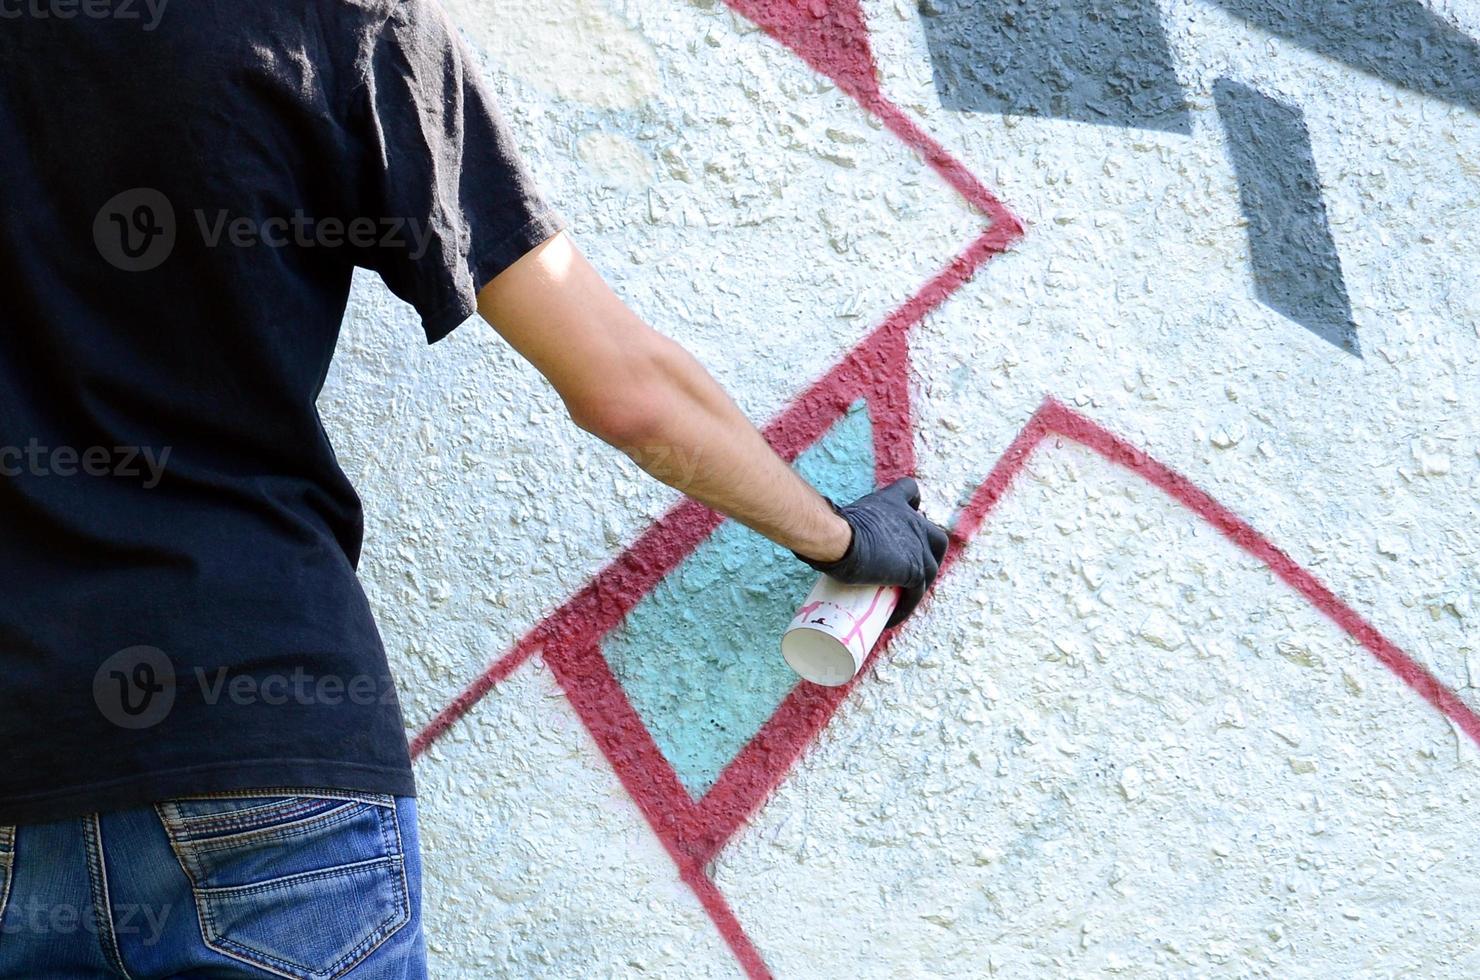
x=1399, y=41
x=1095, y=61
x=1297, y=270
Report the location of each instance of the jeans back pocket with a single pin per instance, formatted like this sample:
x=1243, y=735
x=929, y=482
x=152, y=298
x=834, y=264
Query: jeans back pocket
x=305, y=886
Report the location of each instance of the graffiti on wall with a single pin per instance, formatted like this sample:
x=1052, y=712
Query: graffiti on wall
x=1109, y=62
x=668, y=654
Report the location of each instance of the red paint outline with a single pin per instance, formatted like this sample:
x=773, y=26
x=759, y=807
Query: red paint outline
x=694, y=833
x=877, y=372
x=830, y=35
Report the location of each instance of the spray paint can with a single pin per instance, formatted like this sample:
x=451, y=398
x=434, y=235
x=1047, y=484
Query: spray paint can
x=832, y=635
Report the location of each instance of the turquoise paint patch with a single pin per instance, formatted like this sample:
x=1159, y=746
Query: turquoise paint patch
x=700, y=656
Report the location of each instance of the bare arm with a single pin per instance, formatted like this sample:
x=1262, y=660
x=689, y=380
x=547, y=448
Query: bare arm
x=632, y=387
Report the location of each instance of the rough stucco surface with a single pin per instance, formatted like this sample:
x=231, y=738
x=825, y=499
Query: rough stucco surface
x=549, y=871
x=1113, y=742
x=1159, y=763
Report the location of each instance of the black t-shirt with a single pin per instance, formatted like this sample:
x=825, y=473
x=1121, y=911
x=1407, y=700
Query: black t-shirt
x=183, y=202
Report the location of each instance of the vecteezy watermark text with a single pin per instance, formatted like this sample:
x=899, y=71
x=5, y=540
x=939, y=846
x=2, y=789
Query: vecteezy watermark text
x=137, y=688
x=138, y=230
x=128, y=462
x=147, y=13
x=305, y=231
x=299, y=687
x=37, y=918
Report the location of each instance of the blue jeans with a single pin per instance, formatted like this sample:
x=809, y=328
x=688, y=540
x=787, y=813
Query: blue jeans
x=314, y=885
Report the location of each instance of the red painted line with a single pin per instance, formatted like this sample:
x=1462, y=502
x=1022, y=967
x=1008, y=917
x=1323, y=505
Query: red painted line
x=765, y=760
x=998, y=482
x=725, y=922
x=1069, y=423
x=878, y=370
x=623, y=738
x=761, y=765
x=831, y=36
x=459, y=706
x=1054, y=417
x=593, y=611
x=951, y=170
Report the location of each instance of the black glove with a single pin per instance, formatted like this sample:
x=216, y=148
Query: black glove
x=893, y=544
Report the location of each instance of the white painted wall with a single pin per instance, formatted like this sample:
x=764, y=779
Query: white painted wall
x=1115, y=743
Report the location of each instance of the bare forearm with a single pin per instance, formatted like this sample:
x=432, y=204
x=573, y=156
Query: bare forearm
x=646, y=395
x=702, y=444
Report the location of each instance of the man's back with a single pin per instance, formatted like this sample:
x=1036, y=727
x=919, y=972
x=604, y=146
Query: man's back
x=184, y=205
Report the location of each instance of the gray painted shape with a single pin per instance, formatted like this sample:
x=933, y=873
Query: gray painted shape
x=1096, y=61
x=1297, y=270
x=1399, y=41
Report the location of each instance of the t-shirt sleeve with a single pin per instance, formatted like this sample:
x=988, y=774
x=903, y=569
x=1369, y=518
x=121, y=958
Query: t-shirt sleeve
x=436, y=157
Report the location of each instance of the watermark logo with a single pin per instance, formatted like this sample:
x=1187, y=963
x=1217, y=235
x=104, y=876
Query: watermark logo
x=135, y=688
x=135, y=231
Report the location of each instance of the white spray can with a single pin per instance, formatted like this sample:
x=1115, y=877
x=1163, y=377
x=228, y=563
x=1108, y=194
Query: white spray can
x=832, y=635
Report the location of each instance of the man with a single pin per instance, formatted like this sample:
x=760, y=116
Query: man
x=205, y=771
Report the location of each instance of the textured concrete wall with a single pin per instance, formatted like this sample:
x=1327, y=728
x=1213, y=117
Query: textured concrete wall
x=1173, y=309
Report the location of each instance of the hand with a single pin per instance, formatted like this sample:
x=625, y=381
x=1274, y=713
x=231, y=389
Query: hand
x=893, y=544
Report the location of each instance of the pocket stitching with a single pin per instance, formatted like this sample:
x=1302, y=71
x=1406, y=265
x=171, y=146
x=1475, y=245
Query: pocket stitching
x=275, y=796
x=289, y=819
x=373, y=799
x=396, y=920
x=264, y=835
x=287, y=881
x=283, y=809
x=274, y=835
x=369, y=944
x=392, y=818
x=399, y=916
